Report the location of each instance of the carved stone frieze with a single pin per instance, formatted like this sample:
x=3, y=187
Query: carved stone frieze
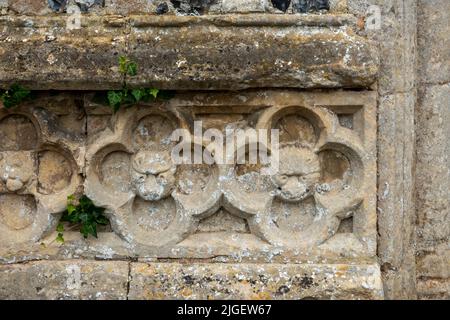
x=39, y=166
x=324, y=185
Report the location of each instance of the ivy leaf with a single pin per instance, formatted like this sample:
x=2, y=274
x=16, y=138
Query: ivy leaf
x=132, y=69
x=60, y=228
x=154, y=92
x=60, y=238
x=14, y=96
x=83, y=217
x=71, y=209
x=84, y=213
x=102, y=220
x=89, y=229
x=123, y=62
x=115, y=99
x=138, y=94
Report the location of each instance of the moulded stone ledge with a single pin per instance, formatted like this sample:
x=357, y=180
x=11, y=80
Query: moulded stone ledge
x=76, y=279
x=186, y=53
x=254, y=281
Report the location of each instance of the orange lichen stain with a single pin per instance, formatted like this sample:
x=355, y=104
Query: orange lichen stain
x=186, y=292
x=341, y=270
x=361, y=23
x=263, y=295
x=151, y=295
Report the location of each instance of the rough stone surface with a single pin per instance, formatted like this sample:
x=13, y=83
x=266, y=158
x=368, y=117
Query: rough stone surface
x=123, y=166
x=198, y=212
x=230, y=52
x=433, y=152
x=396, y=38
x=63, y=280
x=249, y=44
x=39, y=166
x=256, y=282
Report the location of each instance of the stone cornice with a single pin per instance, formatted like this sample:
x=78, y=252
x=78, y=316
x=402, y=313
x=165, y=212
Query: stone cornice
x=186, y=52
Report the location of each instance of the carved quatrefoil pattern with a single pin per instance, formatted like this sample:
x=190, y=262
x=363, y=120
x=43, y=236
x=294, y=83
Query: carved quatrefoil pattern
x=37, y=173
x=152, y=203
x=326, y=175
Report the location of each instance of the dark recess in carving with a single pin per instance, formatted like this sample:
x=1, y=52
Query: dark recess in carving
x=282, y=5
x=305, y=6
x=162, y=8
x=192, y=7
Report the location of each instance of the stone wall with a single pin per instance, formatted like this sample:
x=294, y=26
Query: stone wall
x=363, y=134
x=433, y=150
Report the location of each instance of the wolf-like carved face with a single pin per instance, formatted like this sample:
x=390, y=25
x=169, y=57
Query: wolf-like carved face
x=298, y=174
x=153, y=174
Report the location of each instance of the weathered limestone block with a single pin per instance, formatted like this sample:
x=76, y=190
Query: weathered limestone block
x=65, y=280
x=30, y=7
x=209, y=52
x=433, y=151
x=126, y=7
x=254, y=281
x=233, y=6
x=433, y=40
x=39, y=166
x=326, y=141
x=433, y=165
x=318, y=208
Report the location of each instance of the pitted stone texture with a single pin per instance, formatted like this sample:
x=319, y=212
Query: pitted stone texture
x=126, y=7
x=62, y=280
x=231, y=52
x=30, y=7
x=433, y=41
x=433, y=167
x=253, y=281
x=327, y=175
x=433, y=151
x=175, y=7
x=39, y=165
x=236, y=6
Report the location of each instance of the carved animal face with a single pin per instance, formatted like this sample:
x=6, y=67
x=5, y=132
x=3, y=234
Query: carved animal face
x=153, y=175
x=298, y=175
x=16, y=169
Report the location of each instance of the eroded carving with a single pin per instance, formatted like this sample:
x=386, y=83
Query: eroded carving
x=321, y=181
x=37, y=173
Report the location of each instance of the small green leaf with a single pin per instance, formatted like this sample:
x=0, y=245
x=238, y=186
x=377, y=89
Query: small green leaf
x=60, y=228
x=60, y=238
x=115, y=99
x=138, y=94
x=132, y=69
x=123, y=61
x=86, y=214
x=154, y=92
x=14, y=96
x=102, y=220
x=71, y=208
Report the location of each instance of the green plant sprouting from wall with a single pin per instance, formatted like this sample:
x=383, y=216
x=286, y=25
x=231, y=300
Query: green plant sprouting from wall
x=15, y=95
x=127, y=96
x=82, y=214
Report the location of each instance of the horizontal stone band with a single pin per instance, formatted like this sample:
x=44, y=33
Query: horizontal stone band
x=186, y=53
